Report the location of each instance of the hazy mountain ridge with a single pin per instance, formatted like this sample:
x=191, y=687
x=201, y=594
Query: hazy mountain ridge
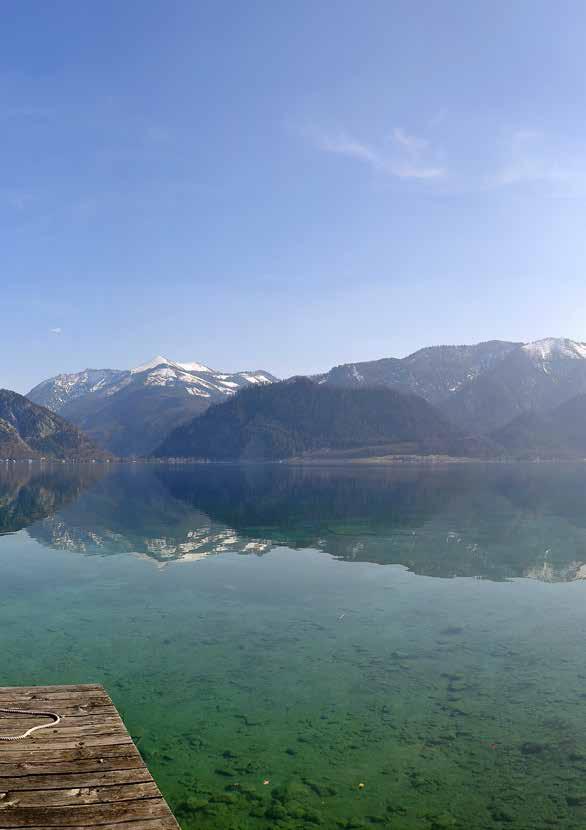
x=560, y=433
x=434, y=372
x=536, y=377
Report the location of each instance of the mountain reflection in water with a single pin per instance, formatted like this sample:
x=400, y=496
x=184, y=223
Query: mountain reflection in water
x=492, y=521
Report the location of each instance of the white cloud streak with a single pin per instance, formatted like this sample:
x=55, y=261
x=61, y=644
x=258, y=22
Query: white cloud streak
x=531, y=159
x=56, y=330
x=525, y=158
x=403, y=160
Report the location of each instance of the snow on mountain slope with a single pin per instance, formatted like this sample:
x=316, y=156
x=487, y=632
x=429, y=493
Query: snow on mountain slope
x=56, y=392
x=555, y=347
x=434, y=373
x=536, y=377
x=131, y=411
x=195, y=379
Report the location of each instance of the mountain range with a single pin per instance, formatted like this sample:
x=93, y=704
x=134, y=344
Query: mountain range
x=301, y=417
x=129, y=412
x=435, y=373
x=479, y=388
x=499, y=397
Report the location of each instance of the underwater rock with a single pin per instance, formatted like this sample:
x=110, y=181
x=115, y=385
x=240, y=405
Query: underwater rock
x=224, y=798
x=276, y=811
x=421, y=783
x=443, y=822
x=307, y=814
x=533, y=748
x=576, y=799
x=190, y=807
x=245, y=790
x=319, y=789
x=500, y=813
x=396, y=810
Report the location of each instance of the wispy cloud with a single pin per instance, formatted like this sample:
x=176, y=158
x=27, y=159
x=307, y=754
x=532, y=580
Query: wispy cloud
x=56, y=330
x=413, y=145
x=404, y=156
x=522, y=159
x=529, y=157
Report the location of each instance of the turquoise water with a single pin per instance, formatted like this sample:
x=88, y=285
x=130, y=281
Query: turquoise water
x=301, y=648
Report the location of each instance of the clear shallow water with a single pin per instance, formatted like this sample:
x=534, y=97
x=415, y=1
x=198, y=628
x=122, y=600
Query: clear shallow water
x=420, y=632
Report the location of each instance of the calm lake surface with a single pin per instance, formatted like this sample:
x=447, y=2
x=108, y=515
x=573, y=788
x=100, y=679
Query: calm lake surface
x=276, y=637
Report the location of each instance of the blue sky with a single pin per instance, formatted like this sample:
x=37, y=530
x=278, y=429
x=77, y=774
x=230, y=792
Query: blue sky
x=286, y=185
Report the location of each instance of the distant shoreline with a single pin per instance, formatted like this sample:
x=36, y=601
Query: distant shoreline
x=316, y=461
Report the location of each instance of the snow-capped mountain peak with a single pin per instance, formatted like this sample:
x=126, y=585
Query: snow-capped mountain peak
x=551, y=347
x=195, y=367
x=139, y=406
x=158, y=360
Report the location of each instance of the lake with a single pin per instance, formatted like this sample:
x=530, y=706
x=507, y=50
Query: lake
x=299, y=647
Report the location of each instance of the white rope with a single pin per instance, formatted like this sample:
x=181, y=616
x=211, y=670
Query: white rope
x=55, y=719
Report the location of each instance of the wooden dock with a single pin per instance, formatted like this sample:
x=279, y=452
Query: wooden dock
x=83, y=772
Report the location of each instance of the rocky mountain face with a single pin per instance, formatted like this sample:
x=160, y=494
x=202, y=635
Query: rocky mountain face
x=536, y=377
x=31, y=431
x=301, y=417
x=57, y=392
x=435, y=373
x=130, y=412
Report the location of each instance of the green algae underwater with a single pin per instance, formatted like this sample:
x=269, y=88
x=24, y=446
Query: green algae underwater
x=304, y=648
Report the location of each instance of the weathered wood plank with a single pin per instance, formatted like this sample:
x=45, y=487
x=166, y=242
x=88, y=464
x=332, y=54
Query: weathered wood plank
x=54, y=693
x=64, y=729
x=61, y=755
x=85, y=815
x=98, y=707
x=168, y=823
x=83, y=772
x=61, y=781
x=9, y=723
x=73, y=743
x=74, y=796
x=38, y=690
x=59, y=768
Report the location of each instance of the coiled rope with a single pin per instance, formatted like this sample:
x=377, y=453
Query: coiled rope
x=55, y=719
